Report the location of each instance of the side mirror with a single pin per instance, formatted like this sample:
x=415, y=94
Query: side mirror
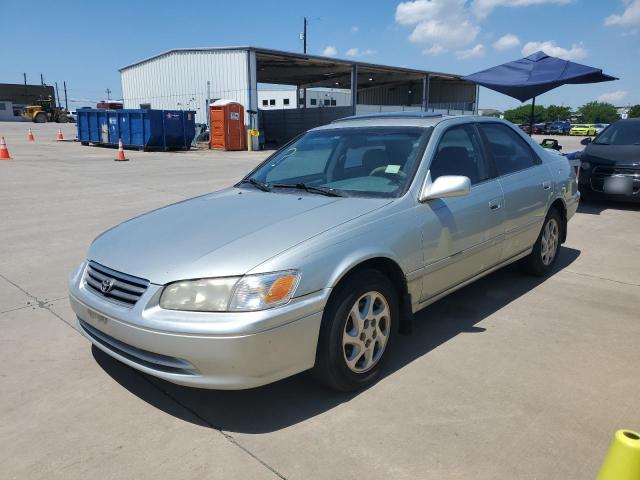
x=586, y=141
x=445, y=186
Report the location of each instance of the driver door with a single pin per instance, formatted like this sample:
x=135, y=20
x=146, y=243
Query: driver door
x=462, y=236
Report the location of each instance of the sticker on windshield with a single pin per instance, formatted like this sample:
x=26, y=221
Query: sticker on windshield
x=392, y=169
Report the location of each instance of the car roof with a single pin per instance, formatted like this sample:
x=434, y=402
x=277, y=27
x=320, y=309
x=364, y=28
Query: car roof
x=400, y=119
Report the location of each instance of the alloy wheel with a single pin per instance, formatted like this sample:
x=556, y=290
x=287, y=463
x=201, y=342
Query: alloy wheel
x=366, y=332
x=550, y=241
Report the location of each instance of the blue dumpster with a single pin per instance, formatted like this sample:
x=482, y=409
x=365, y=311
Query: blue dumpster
x=138, y=128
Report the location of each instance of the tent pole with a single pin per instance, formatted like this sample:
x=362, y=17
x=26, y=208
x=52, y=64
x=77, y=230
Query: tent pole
x=533, y=106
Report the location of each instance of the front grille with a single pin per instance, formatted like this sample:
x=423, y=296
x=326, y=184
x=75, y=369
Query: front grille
x=115, y=286
x=162, y=363
x=600, y=172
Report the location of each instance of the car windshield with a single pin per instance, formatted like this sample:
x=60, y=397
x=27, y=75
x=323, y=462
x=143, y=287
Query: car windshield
x=622, y=133
x=363, y=161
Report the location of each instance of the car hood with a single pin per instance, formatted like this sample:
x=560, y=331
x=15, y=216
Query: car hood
x=612, y=154
x=226, y=233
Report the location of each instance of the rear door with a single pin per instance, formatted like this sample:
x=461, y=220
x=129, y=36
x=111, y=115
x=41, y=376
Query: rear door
x=461, y=235
x=526, y=184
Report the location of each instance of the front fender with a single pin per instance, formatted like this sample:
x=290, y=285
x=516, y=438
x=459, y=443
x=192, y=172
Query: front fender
x=324, y=260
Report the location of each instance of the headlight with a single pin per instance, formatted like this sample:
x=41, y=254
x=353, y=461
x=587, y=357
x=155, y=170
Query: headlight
x=585, y=165
x=251, y=292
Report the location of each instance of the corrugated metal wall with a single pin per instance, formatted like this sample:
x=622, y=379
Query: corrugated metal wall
x=280, y=126
x=178, y=80
x=442, y=95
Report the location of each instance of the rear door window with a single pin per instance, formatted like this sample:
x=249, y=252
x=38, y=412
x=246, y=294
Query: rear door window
x=510, y=151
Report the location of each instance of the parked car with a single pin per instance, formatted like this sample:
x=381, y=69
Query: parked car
x=610, y=164
x=559, y=128
x=321, y=254
x=599, y=127
x=538, y=128
x=583, y=130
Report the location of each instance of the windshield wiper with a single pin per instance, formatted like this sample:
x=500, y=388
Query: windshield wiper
x=259, y=185
x=329, y=192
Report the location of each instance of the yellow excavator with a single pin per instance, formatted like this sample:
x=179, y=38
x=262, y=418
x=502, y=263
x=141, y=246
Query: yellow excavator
x=45, y=111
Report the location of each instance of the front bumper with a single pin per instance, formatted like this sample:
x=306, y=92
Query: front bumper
x=207, y=350
x=592, y=183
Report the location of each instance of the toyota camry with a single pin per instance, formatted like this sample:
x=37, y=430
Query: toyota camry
x=322, y=254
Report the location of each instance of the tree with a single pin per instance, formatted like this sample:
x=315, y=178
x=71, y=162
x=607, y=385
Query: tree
x=522, y=114
x=634, y=112
x=556, y=113
x=599, y=112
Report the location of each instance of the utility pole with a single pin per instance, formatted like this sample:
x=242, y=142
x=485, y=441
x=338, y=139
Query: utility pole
x=304, y=34
x=108, y=92
x=41, y=80
x=66, y=103
x=25, y=77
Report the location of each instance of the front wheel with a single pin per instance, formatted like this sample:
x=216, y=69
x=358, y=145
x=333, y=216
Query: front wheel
x=40, y=118
x=357, y=328
x=545, y=251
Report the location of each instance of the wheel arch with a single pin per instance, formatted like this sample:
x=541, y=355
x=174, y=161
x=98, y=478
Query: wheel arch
x=392, y=270
x=559, y=205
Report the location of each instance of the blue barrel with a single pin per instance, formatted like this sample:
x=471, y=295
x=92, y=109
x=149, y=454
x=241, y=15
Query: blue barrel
x=138, y=128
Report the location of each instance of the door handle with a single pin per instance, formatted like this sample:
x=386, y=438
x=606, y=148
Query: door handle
x=494, y=205
x=546, y=185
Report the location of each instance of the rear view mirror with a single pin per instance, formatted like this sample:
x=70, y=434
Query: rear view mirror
x=445, y=186
x=586, y=141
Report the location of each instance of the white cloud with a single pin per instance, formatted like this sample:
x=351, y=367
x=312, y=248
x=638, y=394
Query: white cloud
x=506, y=42
x=473, y=52
x=613, y=97
x=630, y=17
x=356, y=52
x=355, y=29
x=576, y=52
x=434, y=50
x=438, y=22
x=482, y=8
x=330, y=51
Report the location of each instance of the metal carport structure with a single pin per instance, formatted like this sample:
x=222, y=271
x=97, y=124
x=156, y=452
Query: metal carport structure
x=190, y=78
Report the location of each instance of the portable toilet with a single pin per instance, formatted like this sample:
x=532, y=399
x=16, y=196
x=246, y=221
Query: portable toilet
x=227, y=125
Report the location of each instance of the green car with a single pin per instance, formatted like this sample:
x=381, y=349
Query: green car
x=583, y=130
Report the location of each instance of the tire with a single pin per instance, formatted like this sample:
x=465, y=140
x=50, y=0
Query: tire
x=63, y=119
x=364, y=342
x=40, y=118
x=540, y=261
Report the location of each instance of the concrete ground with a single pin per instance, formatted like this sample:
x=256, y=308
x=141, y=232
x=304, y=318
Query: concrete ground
x=511, y=377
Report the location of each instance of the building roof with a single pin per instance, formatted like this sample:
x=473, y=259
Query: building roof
x=272, y=57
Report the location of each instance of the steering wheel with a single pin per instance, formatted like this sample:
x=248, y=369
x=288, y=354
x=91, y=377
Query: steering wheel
x=397, y=177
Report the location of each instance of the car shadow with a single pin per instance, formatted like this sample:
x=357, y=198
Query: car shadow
x=295, y=399
x=597, y=205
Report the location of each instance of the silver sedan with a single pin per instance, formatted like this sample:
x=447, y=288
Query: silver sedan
x=324, y=252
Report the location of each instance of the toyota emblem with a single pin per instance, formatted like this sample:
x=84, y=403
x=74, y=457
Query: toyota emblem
x=107, y=285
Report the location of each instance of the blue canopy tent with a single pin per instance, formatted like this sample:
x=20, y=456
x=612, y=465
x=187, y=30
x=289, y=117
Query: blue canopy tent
x=538, y=73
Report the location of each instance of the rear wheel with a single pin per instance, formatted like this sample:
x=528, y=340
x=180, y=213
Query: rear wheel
x=545, y=251
x=40, y=118
x=63, y=118
x=357, y=328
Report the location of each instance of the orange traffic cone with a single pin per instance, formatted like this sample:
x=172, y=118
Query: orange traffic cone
x=121, y=157
x=60, y=137
x=4, y=153
x=30, y=136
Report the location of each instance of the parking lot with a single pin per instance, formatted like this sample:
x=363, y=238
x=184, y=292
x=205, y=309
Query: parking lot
x=512, y=377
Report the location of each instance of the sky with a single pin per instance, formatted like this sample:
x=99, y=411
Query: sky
x=85, y=43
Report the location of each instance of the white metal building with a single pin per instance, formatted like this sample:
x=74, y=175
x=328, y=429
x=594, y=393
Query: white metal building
x=189, y=78
x=277, y=99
